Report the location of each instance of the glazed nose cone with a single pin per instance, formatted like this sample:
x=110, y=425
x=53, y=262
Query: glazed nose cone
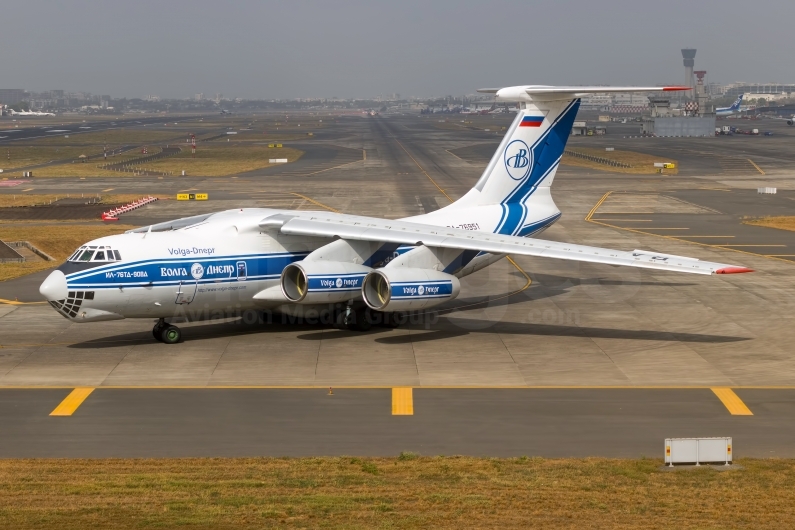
x=54, y=287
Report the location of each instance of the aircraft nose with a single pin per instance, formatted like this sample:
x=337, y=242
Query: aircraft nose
x=54, y=287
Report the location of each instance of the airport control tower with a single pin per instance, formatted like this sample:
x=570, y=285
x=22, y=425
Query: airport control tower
x=688, y=56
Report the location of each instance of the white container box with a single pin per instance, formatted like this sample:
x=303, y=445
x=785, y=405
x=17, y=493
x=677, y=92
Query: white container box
x=698, y=451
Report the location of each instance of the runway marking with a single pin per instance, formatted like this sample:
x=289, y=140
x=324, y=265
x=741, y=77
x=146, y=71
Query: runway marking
x=29, y=189
x=712, y=237
x=69, y=405
x=732, y=401
x=402, y=402
x=589, y=219
x=757, y=167
x=423, y=171
x=658, y=228
x=328, y=169
x=780, y=255
x=109, y=189
x=455, y=155
x=364, y=154
x=627, y=219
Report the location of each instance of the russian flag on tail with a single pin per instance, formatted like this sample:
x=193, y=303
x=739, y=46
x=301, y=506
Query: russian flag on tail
x=531, y=121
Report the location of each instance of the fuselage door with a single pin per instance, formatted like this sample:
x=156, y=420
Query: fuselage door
x=186, y=292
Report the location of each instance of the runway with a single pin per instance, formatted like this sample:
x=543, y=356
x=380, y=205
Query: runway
x=476, y=365
x=33, y=132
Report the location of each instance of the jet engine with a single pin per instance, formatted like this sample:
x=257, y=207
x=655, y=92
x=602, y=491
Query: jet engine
x=791, y=121
x=408, y=289
x=322, y=282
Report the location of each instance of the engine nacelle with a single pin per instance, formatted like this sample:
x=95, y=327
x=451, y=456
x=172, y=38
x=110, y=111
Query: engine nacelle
x=408, y=289
x=322, y=282
x=791, y=122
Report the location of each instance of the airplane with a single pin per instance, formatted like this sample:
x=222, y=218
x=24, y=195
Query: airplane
x=734, y=109
x=350, y=269
x=13, y=112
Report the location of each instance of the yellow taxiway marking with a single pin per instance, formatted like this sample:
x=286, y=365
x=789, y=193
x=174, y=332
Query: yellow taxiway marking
x=657, y=228
x=17, y=302
x=69, y=405
x=384, y=387
x=683, y=238
x=330, y=168
x=712, y=237
x=313, y=201
x=423, y=171
x=757, y=167
x=730, y=245
x=627, y=219
x=402, y=402
x=364, y=154
x=109, y=189
x=732, y=401
x=29, y=189
x=780, y=255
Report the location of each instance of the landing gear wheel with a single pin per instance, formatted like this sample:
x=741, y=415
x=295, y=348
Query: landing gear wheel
x=158, y=330
x=171, y=335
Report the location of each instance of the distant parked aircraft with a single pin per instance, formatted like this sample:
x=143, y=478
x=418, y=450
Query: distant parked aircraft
x=13, y=112
x=728, y=111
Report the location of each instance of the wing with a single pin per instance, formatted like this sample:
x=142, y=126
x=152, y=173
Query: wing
x=320, y=224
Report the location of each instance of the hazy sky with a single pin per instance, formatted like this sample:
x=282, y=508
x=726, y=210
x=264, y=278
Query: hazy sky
x=295, y=48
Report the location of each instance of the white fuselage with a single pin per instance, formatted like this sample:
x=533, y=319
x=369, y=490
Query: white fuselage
x=212, y=269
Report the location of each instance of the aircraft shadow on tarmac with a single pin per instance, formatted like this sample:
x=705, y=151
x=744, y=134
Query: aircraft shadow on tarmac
x=444, y=328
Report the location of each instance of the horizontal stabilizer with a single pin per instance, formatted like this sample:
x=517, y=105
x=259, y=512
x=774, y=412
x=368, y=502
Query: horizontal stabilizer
x=529, y=93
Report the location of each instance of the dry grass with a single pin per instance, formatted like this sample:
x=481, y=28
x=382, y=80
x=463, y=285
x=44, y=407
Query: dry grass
x=12, y=157
x=57, y=240
x=153, y=134
x=642, y=164
x=34, y=200
x=782, y=223
x=217, y=160
x=407, y=492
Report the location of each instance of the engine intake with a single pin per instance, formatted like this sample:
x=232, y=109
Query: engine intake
x=320, y=282
x=408, y=289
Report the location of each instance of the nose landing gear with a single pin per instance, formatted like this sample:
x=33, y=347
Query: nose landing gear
x=166, y=333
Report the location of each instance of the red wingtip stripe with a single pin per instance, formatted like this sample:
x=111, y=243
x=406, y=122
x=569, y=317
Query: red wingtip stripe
x=670, y=88
x=733, y=270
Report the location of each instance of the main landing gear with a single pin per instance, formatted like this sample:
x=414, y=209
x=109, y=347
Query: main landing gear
x=363, y=318
x=166, y=333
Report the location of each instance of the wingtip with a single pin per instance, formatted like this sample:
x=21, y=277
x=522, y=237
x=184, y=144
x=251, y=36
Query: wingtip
x=733, y=270
x=672, y=88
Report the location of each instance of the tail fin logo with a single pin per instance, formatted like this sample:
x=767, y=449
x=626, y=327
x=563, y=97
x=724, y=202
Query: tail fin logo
x=518, y=160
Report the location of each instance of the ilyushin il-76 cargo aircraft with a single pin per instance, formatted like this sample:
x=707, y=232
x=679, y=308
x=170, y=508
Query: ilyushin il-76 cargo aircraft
x=354, y=267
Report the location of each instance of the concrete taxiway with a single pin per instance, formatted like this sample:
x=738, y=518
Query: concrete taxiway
x=530, y=323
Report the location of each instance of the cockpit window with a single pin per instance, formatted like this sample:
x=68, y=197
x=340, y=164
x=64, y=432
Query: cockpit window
x=102, y=254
